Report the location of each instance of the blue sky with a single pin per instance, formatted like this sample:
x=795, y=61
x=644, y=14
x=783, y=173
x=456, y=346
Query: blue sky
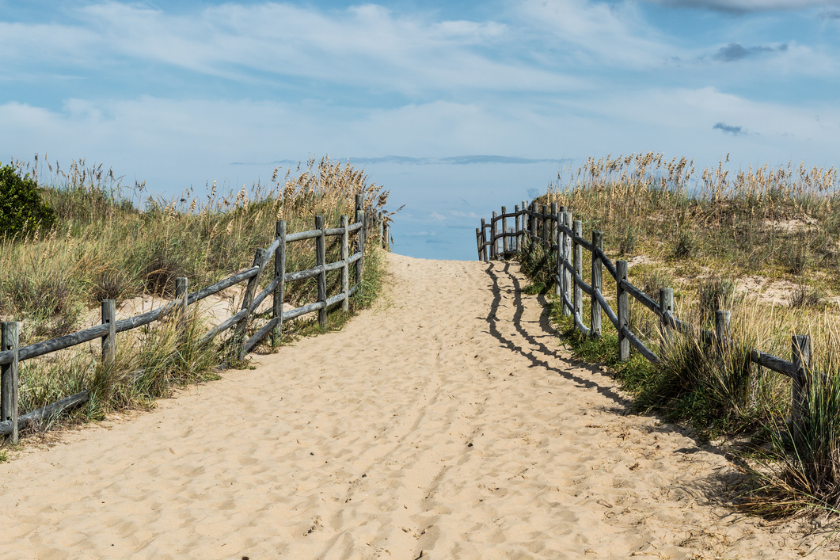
x=419, y=93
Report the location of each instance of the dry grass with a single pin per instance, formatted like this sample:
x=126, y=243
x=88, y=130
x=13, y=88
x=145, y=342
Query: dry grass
x=704, y=238
x=112, y=241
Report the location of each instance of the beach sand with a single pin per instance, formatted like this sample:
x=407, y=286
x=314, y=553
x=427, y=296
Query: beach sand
x=446, y=422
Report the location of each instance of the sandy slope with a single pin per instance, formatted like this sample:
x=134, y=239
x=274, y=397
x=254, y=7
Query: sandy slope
x=445, y=423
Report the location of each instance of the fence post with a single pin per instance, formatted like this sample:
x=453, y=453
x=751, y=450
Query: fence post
x=9, y=381
x=553, y=234
x=802, y=364
x=320, y=261
x=722, y=323
x=478, y=242
x=505, y=244
x=182, y=292
x=578, y=256
x=666, y=305
x=532, y=220
x=623, y=310
x=360, y=237
x=516, y=228
x=523, y=224
x=546, y=225
x=386, y=228
x=597, y=284
x=345, y=269
x=493, y=244
x=558, y=269
x=280, y=276
x=567, y=257
x=109, y=341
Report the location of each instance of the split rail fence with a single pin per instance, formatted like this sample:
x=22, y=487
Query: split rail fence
x=366, y=223
x=556, y=231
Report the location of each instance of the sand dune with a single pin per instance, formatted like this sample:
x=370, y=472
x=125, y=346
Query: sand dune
x=447, y=422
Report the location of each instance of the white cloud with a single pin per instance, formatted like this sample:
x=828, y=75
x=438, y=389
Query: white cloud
x=363, y=46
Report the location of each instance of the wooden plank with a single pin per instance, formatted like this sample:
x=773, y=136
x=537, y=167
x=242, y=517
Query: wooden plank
x=320, y=261
x=302, y=274
x=345, y=265
x=773, y=363
x=260, y=259
x=360, y=239
x=504, y=230
x=623, y=311
x=9, y=382
x=641, y=297
x=597, y=286
x=209, y=290
x=303, y=310
x=109, y=341
x=224, y=325
x=638, y=345
x=354, y=227
x=301, y=235
x=46, y=412
x=568, y=282
x=269, y=290
x=260, y=334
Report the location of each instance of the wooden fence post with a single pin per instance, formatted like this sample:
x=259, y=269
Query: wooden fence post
x=493, y=240
x=9, y=382
x=558, y=268
x=722, y=324
x=320, y=261
x=516, y=218
x=360, y=237
x=523, y=224
x=578, y=256
x=387, y=239
x=280, y=276
x=567, y=257
x=801, y=349
x=666, y=304
x=532, y=220
x=552, y=237
x=505, y=244
x=109, y=341
x=478, y=242
x=345, y=269
x=597, y=284
x=182, y=292
x=546, y=225
x=381, y=223
x=482, y=251
x=623, y=310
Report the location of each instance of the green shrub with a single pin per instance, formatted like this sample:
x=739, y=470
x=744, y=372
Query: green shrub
x=21, y=207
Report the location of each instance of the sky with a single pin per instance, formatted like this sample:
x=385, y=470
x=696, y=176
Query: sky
x=456, y=107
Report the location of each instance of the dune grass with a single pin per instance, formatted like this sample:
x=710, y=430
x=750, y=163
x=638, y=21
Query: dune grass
x=115, y=242
x=704, y=239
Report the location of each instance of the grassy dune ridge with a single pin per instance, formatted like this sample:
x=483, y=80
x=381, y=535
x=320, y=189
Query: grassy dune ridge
x=762, y=243
x=116, y=242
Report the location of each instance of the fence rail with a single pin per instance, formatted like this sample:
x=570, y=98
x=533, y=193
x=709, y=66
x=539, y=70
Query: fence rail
x=555, y=230
x=365, y=223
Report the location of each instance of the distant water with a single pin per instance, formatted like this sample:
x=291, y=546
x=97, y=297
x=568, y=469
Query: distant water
x=444, y=203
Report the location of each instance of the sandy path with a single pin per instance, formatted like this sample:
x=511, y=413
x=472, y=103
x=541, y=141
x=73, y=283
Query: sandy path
x=445, y=423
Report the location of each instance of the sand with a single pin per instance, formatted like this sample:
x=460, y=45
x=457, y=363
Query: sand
x=446, y=422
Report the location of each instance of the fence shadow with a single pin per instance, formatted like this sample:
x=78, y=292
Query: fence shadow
x=545, y=345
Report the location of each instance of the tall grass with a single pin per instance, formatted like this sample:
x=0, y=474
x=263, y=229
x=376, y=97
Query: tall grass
x=700, y=237
x=116, y=242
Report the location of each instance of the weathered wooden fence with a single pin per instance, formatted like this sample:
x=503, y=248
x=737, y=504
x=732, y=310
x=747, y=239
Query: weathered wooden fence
x=366, y=223
x=555, y=230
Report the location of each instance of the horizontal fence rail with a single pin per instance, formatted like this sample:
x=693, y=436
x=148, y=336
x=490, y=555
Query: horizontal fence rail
x=558, y=234
x=365, y=223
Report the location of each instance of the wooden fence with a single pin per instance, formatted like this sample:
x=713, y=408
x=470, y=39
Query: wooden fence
x=556, y=231
x=366, y=223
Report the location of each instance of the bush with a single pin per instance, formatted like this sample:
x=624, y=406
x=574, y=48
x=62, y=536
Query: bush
x=21, y=207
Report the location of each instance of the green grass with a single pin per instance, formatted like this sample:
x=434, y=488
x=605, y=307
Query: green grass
x=112, y=242
x=781, y=224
